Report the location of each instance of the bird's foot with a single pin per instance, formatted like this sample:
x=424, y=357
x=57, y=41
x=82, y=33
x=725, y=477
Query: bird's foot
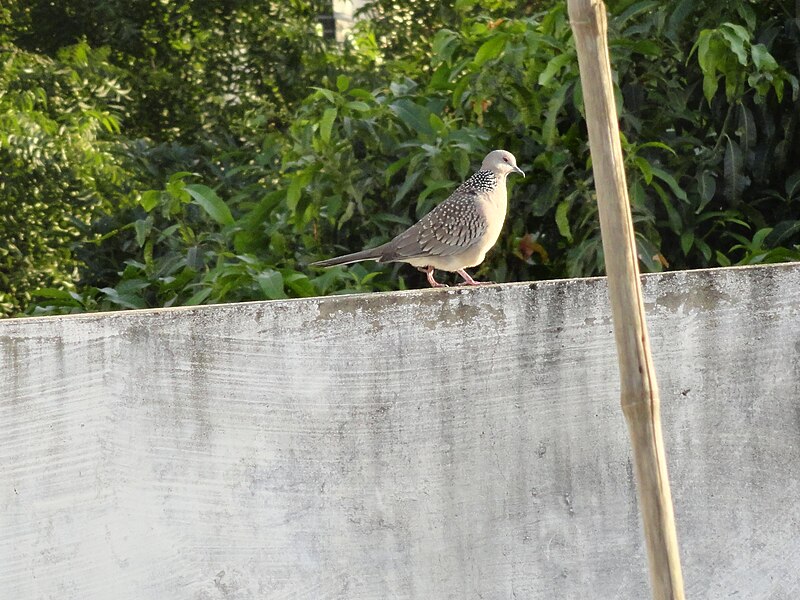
x=429, y=272
x=470, y=281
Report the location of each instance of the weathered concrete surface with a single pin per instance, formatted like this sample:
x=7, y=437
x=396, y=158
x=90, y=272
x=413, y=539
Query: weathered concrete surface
x=429, y=444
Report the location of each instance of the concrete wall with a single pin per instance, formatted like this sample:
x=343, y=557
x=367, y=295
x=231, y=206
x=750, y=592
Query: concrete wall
x=432, y=444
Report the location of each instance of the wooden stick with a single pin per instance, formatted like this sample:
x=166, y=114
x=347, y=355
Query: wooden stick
x=639, y=389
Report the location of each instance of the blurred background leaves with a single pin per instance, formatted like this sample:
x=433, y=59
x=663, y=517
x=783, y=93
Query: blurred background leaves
x=164, y=154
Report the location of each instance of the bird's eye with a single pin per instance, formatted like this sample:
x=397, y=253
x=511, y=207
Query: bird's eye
x=505, y=159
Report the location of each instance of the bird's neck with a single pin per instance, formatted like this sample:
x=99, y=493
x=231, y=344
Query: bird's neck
x=502, y=196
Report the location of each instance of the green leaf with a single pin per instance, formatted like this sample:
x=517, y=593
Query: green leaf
x=670, y=181
x=710, y=85
x=707, y=187
x=647, y=48
x=431, y=187
x=759, y=237
x=491, y=48
x=406, y=187
x=347, y=214
x=777, y=85
x=710, y=54
x=747, y=128
x=179, y=176
x=677, y=15
x=299, y=181
x=551, y=192
x=358, y=105
x=299, y=283
x=554, y=107
x=660, y=145
x=792, y=185
x=637, y=195
x=635, y=10
x=326, y=124
x=735, y=180
x=783, y=232
x=271, y=283
x=705, y=249
x=705, y=58
x=363, y=94
x=562, y=219
x=53, y=293
x=645, y=168
x=648, y=254
x=327, y=94
x=461, y=162
x=458, y=90
x=554, y=66
x=208, y=200
x=342, y=83
x=437, y=124
x=443, y=46
x=795, y=86
x=415, y=116
x=737, y=37
x=673, y=216
x=762, y=58
x=440, y=80
x=260, y=211
x=687, y=241
x=126, y=300
x=395, y=167
x=142, y=228
x=199, y=297
x=150, y=199
x=746, y=12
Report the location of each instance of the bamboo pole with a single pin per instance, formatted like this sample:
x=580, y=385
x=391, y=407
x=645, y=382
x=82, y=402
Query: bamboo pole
x=639, y=389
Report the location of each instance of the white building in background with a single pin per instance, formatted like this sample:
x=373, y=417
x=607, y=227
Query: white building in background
x=341, y=21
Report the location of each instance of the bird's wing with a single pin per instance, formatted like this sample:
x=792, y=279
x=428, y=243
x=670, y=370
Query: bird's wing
x=449, y=229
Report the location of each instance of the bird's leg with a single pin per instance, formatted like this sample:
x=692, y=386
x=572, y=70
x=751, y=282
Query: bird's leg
x=470, y=281
x=429, y=272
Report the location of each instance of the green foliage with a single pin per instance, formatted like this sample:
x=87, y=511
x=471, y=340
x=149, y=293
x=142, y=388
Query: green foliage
x=231, y=145
x=728, y=52
x=58, y=168
x=189, y=249
x=741, y=136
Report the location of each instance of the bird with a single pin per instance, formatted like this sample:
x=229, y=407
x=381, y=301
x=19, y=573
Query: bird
x=457, y=233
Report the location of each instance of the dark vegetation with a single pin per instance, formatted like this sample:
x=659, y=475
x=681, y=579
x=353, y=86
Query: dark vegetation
x=172, y=153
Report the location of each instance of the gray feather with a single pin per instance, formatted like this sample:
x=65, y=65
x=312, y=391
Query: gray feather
x=450, y=228
x=371, y=254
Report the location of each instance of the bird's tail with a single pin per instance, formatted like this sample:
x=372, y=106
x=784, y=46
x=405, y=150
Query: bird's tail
x=371, y=254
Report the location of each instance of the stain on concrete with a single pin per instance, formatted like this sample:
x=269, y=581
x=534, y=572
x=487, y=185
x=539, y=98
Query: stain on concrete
x=456, y=443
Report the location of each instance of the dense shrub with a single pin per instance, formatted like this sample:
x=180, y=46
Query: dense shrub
x=252, y=146
x=59, y=172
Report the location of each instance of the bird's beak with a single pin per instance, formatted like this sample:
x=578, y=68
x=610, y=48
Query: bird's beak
x=518, y=170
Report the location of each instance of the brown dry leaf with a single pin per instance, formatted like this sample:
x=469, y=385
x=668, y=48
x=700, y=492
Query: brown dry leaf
x=528, y=247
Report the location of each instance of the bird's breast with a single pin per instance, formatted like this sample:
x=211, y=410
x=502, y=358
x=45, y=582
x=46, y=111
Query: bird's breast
x=494, y=208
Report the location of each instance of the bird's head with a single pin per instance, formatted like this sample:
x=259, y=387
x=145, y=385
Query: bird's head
x=501, y=162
